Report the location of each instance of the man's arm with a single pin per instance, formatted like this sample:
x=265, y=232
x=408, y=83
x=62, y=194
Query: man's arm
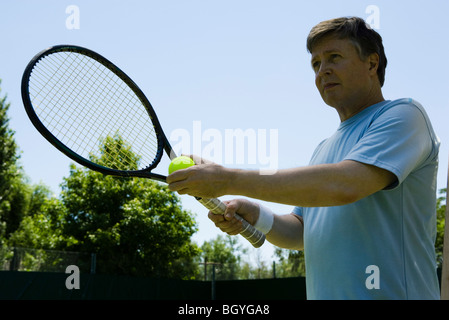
x=311, y=186
x=287, y=232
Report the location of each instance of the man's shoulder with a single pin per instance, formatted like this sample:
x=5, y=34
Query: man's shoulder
x=402, y=105
x=404, y=110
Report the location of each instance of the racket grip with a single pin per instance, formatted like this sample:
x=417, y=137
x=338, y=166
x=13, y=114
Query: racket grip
x=254, y=236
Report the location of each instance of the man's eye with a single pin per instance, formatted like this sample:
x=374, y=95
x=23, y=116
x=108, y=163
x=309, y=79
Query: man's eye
x=334, y=56
x=315, y=65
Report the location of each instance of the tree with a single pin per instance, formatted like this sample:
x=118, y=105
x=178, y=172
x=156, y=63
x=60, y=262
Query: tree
x=225, y=251
x=441, y=210
x=35, y=244
x=258, y=269
x=291, y=263
x=13, y=189
x=42, y=227
x=135, y=226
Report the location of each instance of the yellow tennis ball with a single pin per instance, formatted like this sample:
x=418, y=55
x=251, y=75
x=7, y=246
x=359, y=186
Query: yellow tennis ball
x=179, y=163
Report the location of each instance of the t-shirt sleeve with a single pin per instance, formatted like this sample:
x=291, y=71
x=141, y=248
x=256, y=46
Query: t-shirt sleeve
x=399, y=140
x=297, y=211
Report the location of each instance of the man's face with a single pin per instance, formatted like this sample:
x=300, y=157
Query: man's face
x=342, y=78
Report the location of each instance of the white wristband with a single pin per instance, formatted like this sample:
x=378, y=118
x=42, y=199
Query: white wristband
x=265, y=221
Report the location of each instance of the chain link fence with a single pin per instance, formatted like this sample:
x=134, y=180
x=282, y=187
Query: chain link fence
x=26, y=259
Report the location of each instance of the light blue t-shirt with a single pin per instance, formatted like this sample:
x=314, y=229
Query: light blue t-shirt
x=382, y=246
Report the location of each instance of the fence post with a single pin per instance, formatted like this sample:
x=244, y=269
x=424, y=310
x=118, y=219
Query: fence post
x=93, y=263
x=14, y=264
x=213, y=282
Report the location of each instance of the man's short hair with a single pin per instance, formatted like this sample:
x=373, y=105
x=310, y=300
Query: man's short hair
x=365, y=39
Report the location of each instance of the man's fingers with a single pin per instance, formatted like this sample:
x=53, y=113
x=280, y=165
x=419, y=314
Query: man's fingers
x=197, y=159
x=228, y=223
x=231, y=227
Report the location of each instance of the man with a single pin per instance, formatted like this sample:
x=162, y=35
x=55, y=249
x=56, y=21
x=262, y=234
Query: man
x=365, y=206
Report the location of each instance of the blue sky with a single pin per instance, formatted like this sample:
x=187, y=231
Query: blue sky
x=227, y=65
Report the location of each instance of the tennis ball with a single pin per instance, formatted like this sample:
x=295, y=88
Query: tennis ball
x=179, y=163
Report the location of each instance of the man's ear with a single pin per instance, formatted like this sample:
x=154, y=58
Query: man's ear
x=373, y=59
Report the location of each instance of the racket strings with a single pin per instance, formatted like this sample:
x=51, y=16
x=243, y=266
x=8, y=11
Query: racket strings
x=66, y=97
x=83, y=104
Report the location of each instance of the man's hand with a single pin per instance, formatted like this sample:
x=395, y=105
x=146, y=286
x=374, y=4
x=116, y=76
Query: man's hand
x=228, y=223
x=206, y=179
x=287, y=231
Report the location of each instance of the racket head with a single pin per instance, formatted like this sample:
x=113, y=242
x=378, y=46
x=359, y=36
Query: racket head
x=77, y=100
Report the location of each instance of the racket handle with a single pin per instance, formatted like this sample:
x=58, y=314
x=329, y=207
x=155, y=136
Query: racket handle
x=254, y=236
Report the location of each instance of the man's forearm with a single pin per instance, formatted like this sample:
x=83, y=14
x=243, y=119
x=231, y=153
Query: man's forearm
x=312, y=186
x=305, y=186
x=287, y=232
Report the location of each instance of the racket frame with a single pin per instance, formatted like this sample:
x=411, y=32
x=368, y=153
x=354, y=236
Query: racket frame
x=162, y=140
x=255, y=237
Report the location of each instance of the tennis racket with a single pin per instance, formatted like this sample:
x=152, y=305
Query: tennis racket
x=76, y=99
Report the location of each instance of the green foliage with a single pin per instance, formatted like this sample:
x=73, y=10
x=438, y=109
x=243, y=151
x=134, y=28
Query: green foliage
x=234, y=261
x=42, y=227
x=225, y=251
x=13, y=189
x=8, y=151
x=291, y=263
x=257, y=269
x=117, y=154
x=135, y=226
x=441, y=211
